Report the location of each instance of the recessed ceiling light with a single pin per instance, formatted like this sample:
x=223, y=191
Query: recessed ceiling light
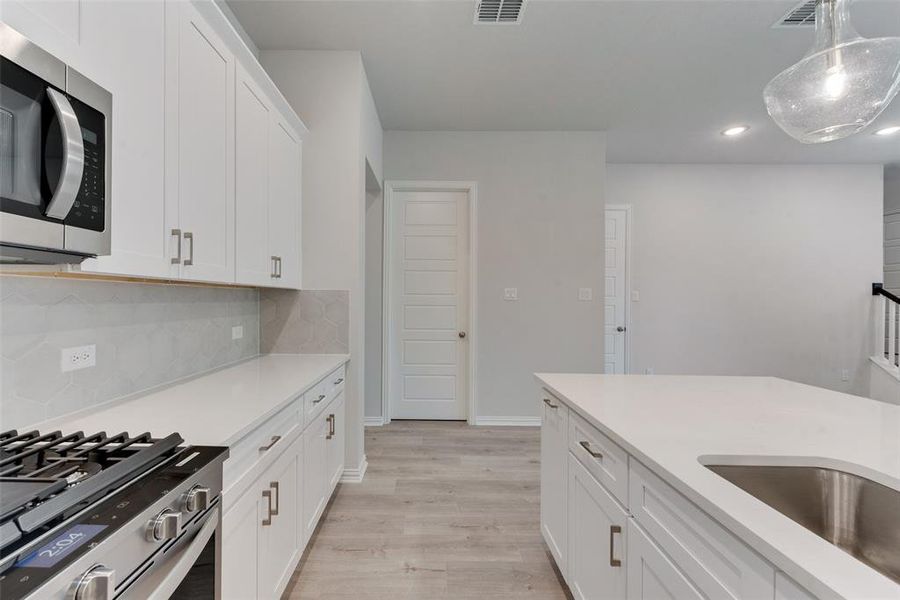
x=733, y=131
x=888, y=130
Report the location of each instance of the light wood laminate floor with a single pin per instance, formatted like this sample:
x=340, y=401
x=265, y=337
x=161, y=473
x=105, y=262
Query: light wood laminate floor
x=446, y=511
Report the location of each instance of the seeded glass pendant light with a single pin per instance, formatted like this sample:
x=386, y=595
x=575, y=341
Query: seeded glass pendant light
x=840, y=86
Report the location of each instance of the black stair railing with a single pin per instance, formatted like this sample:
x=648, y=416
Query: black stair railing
x=887, y=318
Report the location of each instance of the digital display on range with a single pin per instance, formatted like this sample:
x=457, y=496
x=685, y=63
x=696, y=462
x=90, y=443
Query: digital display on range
x=60, y=547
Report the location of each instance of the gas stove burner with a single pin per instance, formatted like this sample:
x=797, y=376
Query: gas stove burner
x=114, y=507
x=45, y=478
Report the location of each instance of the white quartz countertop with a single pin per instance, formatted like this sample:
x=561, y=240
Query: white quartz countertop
x=215, y=409
x=670, y=422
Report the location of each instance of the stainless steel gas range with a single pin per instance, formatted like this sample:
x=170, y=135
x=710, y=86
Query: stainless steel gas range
x=96, y=517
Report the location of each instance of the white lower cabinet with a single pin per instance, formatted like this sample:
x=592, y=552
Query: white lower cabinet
x=261, y=546
x=651, y=575
x=278, y=551
x=554, y=482
x=279, y=499
x=240, y=539
x=334, y=452
x=315, y=472
x=597, y=538
x=617, y=530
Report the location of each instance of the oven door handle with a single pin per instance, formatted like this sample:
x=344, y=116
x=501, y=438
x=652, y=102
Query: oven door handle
x=185, y=559
x=73, y=157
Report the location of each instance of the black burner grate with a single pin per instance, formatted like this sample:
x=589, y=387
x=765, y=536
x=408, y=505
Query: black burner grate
x=43, y=477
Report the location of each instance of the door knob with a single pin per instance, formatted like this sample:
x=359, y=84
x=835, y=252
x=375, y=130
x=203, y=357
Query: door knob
x=462, y=335
x=620, y=328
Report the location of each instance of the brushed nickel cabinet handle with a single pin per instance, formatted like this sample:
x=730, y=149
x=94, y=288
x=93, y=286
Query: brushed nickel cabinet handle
x=177, y=234
x=339, y=381
x=279, y=268
x=274, y=485
x=273, y=260
x=592, y=452
x=613, y=530
x=274, y=441
x=319, y=399
x=550, y=404
x=190, y=260
x=267, y=494
x=330, y=421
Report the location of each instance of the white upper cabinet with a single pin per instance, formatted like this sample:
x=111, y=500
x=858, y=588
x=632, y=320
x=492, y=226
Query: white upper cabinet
x=253, y=262
x=200, y=154
x=206, y=152
x=139, y=240
x=267, y=182
x=284, y=203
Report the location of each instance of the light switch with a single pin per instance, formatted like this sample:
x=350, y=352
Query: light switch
x=635, y=296
x=585, y=294
x=510, y=293
x=237, y=332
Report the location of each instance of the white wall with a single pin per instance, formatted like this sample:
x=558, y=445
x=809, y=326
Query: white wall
x=374, y=288
x=328, y=89
x=753, y=270
x=892, y=228
x=540, y=229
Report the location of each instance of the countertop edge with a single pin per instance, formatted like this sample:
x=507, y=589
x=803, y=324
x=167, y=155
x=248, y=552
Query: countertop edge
x=340, y=359
x=331, y=362
x=758, y=544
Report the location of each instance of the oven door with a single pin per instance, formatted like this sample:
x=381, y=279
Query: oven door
x=53, y=158
x=189, y=571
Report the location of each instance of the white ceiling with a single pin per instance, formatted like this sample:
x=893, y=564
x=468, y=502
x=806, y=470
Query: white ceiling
x=663, y=77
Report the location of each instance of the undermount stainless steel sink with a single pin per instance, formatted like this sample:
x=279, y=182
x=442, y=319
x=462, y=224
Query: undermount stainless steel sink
x=858, y=515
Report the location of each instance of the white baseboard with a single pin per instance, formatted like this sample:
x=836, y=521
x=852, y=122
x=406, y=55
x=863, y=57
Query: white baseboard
x=509, y=421
x=373, y=421
x=355, y=475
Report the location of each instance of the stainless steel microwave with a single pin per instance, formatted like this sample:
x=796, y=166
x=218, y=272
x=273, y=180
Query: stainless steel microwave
x=54, y=158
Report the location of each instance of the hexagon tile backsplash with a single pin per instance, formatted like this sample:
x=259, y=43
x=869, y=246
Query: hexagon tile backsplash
x=145, y=334
x=304, y=322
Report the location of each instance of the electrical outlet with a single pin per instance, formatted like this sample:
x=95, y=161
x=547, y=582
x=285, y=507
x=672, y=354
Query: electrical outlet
x=510, y=293
x=80, y=357
x=237, y=332
x=648, y=371
x=845, y=375
x=585, y=294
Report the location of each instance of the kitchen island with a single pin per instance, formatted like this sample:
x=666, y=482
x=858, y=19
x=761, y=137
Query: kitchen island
x=631, y=451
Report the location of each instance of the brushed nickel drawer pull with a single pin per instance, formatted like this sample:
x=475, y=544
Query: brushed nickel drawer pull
x=550, y=404
x=589, y=450
x=613, y=530
x=177, y=234
x=188, y=235
x=274, y=441
x=274, y=485
x=319, y=399
x=339, y=381
x=267, y=494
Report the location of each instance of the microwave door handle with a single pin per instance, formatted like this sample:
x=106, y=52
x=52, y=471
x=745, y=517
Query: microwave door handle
x=73, y=157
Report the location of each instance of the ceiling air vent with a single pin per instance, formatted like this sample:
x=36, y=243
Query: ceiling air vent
x=802, y=15
x=499, y=11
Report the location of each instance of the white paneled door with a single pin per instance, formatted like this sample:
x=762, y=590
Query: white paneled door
x=429, y=281
x=615, y=322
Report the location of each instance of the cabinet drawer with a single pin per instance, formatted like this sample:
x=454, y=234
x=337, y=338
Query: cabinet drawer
x=716, y=562
x=273, y=435
x=317, y=398
x=606, y=461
